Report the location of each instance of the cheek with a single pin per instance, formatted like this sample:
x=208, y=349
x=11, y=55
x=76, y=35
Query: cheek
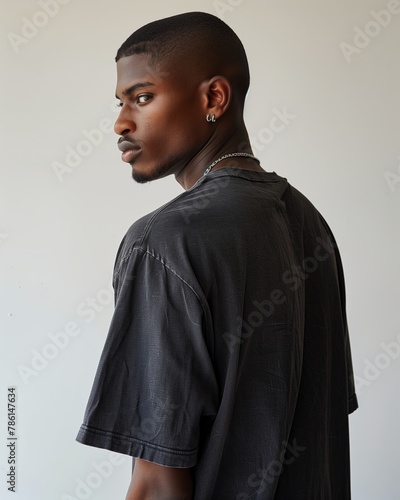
x=175, y=124
x=185, y=134
x=160, y=124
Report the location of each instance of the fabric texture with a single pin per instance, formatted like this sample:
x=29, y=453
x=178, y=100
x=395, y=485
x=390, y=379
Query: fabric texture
x=228, y=350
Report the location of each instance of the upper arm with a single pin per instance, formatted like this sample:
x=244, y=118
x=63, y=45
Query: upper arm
x=155, y=384
x=153, y=481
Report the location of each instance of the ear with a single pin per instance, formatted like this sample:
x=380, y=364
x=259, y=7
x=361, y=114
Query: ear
x=217, y=96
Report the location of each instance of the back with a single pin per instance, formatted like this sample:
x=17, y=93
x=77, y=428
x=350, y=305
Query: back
x=230, y=319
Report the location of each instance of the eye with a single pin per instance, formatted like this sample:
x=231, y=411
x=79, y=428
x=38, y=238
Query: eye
x=120, y=104
x=142, y=98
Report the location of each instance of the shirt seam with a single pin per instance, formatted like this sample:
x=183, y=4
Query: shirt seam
x=164, y=264
x=224, y=172
x=130, y=439
x=152, y=254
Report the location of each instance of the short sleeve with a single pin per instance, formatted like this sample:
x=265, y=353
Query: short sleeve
x=352, y=396
x=352, y=400
x=155, y=382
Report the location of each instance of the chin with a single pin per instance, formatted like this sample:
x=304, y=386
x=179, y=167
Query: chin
x=143, y=175
x=148, y=174
x=140, y=178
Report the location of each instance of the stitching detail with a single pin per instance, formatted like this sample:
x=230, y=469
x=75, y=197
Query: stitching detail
x=227, y=172
x=208, y=327
x=159, y=259
x=121, y=437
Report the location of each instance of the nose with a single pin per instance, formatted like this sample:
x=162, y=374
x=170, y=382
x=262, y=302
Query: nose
x=124, y=124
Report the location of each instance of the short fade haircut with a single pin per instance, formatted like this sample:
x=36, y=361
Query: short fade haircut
x=202, y=41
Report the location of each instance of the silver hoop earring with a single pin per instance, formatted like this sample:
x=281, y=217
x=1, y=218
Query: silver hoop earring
x=211, y=118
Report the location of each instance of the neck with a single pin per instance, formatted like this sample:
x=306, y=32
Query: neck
x=216, y=147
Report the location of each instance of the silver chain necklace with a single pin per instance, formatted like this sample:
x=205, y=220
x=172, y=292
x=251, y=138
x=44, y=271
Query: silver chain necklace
x=229, y=155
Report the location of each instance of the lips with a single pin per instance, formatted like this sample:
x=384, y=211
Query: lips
x=130, y=150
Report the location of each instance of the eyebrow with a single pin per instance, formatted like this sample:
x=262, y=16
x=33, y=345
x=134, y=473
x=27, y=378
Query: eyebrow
x=131, y=89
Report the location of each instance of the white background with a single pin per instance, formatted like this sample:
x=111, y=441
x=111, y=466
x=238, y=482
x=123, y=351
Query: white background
x=59, y=234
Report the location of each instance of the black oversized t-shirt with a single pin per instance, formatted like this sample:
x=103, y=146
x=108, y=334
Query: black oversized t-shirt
x=228, y=350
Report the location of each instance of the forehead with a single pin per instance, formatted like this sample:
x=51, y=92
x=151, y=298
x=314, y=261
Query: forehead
x=139, y=68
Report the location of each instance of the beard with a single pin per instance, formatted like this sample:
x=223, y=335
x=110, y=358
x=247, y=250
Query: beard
x=141, y=178
x=167, y=167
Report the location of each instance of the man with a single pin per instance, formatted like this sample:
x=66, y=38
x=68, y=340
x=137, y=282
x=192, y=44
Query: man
x=227, y=370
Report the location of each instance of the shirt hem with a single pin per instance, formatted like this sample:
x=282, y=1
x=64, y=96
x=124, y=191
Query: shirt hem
x=136, y=448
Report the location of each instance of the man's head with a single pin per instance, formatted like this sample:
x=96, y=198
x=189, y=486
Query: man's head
x=197, y=41
x=171, y=74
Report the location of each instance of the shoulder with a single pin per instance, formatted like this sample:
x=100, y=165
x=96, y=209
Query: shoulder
x=151, y=231
x=182, y=216
x=167, y=234
x=298, y=203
